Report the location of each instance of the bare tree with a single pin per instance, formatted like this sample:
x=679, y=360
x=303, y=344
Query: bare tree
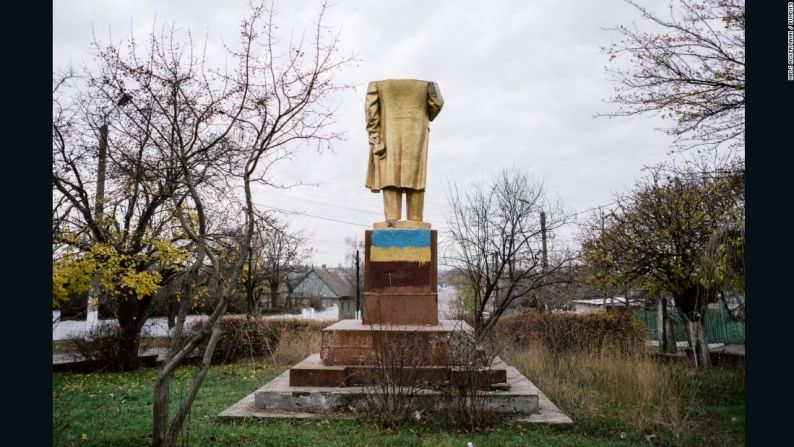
x=283, y=102
x=495, y=243
x=562, y=288
x=283, y=253
x=688, y=66
x=184, y=143
x=252, y=278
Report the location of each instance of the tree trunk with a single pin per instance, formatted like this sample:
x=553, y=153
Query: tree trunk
x=273, y=295
x=162, y=387
x=691, y=305
x=162, y=383
x=670, y=334
x=171, y=309
x=696, y=335
x=664, y=327
x=249, y=301
x=128, y=350
x=257, y=301
x=132, y=313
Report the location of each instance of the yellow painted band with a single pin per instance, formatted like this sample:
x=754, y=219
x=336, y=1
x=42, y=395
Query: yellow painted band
x=405, y=254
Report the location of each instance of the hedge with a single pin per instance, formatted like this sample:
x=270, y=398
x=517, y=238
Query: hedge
x=244, y=338
x=568, y=331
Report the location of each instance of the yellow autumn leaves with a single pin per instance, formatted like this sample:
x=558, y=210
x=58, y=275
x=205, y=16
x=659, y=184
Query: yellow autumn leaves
x=116, y=271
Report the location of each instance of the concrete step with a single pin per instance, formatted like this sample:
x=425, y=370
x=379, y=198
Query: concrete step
x=522, y=397
x=351, y=342
x=312, y=372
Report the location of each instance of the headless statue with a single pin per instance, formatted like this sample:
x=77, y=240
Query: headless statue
x=398, y=113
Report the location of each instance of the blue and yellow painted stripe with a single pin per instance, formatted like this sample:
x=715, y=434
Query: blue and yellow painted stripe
x=400, y=246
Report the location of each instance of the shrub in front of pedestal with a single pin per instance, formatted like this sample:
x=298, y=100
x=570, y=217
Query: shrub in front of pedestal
x=395, y=378
x=460, y=375
x=567, y=331
x=278, y=341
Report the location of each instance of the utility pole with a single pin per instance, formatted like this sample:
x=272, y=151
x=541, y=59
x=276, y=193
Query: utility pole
x=543, y=235
x=92, y=313
x=545, y=261
x=496, y=301
x=358, y=288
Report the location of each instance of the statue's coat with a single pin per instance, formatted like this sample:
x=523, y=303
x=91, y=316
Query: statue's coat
x=398, y=113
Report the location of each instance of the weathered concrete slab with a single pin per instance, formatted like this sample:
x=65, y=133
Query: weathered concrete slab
x=524, y=400
x=312, y=372
x=521, y=398
x=548, y=413
x=731, y=349
x=358, y=326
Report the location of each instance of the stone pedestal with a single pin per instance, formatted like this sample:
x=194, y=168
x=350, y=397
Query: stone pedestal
x=399, y=339
x=400, y=322
x=400, y=277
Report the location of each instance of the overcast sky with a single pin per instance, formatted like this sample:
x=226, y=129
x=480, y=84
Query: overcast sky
x=521, y=82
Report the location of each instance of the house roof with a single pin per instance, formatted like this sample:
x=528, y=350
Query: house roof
x=336, y=283
x=618, y=301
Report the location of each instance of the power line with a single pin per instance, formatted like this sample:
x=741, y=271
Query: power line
x=331, y=203
x=314, y=216
x=343, y=188
x=350, y=193
x=595, y=208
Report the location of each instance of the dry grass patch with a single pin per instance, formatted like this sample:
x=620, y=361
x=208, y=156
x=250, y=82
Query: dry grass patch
x=295, y=344
x=597, y=368
x=282, y=341
x=631, y=389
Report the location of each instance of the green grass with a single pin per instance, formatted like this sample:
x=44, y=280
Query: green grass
x=114, y=409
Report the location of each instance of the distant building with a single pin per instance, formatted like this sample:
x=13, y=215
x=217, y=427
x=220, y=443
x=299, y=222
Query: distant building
x=324, y=287
x=605, y=304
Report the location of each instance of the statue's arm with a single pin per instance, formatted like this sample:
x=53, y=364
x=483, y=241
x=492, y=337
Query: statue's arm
x=372, y=110
x=434, y=100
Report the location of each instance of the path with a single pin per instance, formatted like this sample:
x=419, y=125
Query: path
x=446, y=297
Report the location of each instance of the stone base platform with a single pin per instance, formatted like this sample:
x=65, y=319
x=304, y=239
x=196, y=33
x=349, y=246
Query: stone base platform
x=312, y=372
x=402, y=225
x=351, y=342
x=277, y=399
x=280, y=395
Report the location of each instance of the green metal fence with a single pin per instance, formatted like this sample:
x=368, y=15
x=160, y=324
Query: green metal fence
x=719, y=326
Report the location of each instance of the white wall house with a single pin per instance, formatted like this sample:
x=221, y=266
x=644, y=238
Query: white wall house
x=603, y=304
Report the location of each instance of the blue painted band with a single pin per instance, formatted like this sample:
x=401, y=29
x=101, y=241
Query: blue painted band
x=400, y=238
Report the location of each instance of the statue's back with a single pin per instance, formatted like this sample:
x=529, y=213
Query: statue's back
x=404, y=98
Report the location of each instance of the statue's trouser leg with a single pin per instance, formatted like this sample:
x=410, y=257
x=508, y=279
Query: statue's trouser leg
x=392, y=203
x=415, y=202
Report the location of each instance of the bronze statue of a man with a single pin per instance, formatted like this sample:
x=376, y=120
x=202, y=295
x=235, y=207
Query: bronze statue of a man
x=398, y=113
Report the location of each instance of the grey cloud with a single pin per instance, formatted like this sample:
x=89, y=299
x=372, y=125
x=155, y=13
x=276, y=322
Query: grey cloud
x=521, y=79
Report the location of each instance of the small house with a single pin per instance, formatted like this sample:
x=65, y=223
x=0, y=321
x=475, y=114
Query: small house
x=605, y=304
x=322, y=287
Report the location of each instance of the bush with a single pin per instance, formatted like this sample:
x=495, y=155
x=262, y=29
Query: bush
x=283, y=341
x=99, y=347
x=560, y=332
